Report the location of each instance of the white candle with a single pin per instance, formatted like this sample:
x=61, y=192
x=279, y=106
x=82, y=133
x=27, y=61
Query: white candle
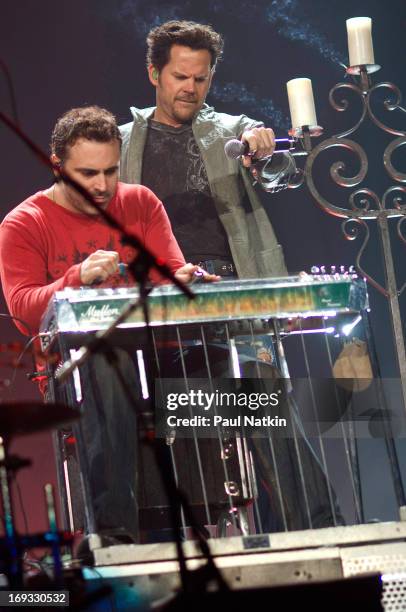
x=360, y=48
x=301, y=102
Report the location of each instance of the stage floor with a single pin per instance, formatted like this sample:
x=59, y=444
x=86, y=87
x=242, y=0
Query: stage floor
x=319, y=556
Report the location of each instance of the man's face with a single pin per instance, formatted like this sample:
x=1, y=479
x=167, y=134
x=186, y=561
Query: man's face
x=95, y=166
x=181, y=85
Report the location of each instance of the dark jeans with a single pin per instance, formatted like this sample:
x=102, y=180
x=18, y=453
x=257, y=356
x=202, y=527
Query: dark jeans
x=109, y=428
x=293, y=490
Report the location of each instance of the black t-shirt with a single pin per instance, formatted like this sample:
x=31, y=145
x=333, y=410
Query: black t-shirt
x=173, y=169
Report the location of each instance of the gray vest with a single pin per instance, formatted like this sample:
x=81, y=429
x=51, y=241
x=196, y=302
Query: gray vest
x=255, y=250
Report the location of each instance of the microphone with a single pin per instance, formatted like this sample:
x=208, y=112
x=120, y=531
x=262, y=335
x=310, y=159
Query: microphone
x=274, y=172
x=235, y=148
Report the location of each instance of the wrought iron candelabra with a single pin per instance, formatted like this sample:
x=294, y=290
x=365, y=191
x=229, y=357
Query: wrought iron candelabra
x=364, y=204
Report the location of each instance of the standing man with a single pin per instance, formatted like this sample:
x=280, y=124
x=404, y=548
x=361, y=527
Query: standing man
x=177, y=149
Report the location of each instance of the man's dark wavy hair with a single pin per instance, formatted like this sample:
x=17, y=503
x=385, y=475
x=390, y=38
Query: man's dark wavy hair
x=187, y=33
x=89, y=122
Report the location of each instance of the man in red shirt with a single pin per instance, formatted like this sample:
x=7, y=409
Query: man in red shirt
x=56, y=239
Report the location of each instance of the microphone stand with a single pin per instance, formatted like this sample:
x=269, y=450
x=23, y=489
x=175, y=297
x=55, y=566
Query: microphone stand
x=139, y=267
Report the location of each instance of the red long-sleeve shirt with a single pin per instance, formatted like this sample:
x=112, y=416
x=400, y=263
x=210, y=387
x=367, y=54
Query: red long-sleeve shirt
x=42, y=246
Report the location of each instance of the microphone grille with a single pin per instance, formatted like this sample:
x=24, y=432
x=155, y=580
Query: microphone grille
x=233, y=148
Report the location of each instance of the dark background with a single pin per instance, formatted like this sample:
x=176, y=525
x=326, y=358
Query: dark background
x=70, y=53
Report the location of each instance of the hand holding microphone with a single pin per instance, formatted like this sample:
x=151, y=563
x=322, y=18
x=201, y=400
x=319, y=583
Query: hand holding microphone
x=260, y=143
x=257, y=148
x=256, y=144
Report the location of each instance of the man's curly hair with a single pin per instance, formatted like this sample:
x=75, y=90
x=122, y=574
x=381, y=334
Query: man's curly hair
x=89, y=122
